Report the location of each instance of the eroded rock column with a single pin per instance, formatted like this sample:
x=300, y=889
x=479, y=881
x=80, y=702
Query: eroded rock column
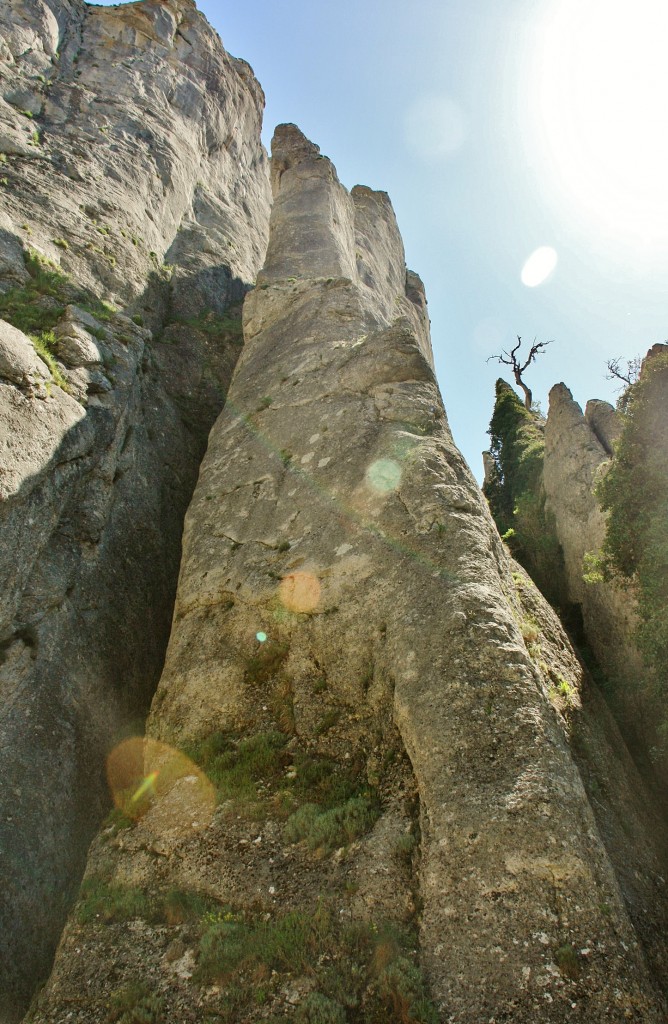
x=332, y=472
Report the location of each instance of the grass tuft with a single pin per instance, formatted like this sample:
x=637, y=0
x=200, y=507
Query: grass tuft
x=135, y=1003
x=330, y=829
x=105, y=902
x=567, y=961
x=44, y=344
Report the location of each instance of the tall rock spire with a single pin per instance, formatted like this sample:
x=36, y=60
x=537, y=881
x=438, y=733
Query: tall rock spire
x=349, y=665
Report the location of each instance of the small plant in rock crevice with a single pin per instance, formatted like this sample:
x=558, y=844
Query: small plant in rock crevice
x=265, y=664
x=135, y=1003
x=567, y=961
x=38, y=305
x=105, y=902
x=44, y=345
x=328, y=829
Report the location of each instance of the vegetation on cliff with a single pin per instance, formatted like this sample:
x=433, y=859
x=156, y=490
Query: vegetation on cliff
x=514, y=490
x=635, y=494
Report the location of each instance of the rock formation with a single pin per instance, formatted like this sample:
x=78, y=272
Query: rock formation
x=596, y=551
x=375, y=783
x=577, y=451
x=135, y=213
x=382, y=700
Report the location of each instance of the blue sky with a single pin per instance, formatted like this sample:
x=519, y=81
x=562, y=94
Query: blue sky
x=497, y=127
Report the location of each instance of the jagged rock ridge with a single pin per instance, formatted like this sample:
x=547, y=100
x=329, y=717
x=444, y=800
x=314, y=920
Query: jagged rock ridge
x=135, y=214
x=345, y=602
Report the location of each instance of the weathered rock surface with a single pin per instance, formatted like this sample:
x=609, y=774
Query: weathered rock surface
x=604, y=420
x=132, y=160
x=147, y=131
x=342, y=587
x=19, y=363
x=577, y=451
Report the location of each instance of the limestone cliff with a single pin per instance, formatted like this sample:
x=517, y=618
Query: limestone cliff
x=376, y=784
x=135, y=202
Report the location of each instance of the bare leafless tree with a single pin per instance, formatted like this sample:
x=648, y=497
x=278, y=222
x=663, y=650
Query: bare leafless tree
x=628, y=375
x=512, y=360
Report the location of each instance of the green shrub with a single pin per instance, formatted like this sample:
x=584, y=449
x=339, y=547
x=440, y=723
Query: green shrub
x=215, y=325
x=262, y=666
x=323, y=781
x=117, y=821
x=404, y=848
x=401, y=988
x=251, y=772
x=327, y=722
x=515, y=494
x=395, y=986
x=105, y=902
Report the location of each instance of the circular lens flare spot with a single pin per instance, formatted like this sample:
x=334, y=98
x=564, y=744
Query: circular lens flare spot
x=261, y=637
x=435, y=127
x=384, y=475
x=539, y=266
x=299, y=591
x=146, y=776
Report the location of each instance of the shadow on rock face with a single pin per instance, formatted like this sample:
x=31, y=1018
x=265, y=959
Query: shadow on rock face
x=91, y=540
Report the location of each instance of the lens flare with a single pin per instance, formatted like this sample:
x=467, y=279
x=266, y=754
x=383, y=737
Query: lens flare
x=147, y=777
x=261, y=637
x=539, y=266
x=435, y=127
x=384, y=475
x=299, y=591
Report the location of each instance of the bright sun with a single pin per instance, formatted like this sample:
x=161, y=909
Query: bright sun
x=601, y=93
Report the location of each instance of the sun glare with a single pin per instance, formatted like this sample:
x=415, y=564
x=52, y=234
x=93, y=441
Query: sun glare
x=600, y=86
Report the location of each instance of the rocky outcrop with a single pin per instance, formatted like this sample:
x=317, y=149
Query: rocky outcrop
x=604, y=422
x=382, y=700
x=577, y=452
x=147, y=132
x=135, y=212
